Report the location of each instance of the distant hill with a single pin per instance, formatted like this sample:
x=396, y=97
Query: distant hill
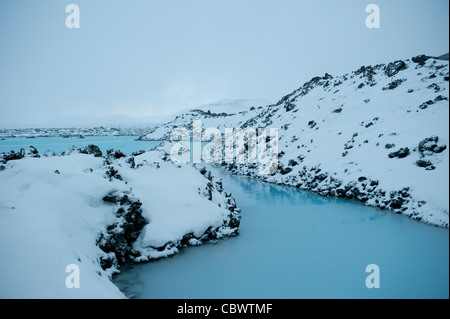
x=443, y=57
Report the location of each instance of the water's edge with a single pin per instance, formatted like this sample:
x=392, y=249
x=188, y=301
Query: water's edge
x=294, y=244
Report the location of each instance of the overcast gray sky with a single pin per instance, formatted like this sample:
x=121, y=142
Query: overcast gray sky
x=154, y=57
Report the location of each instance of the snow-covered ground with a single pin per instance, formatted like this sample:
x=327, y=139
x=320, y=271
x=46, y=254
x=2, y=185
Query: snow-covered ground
x=98, y=213
x=379, y=134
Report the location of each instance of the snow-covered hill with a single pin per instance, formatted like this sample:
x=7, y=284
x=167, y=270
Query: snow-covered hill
x=99, y=213
x=230, y=106
x=378, y=134
x=223, y=114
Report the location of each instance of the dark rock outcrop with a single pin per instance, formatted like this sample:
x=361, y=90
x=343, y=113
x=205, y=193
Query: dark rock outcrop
x=92, y=149
x=421, y=59
x=401, y=153
x=114, y=153
x=285, y=170
x=395, y=67
x=118, y=238
x=394, y=84
x=429, y=146
x=137, y=153
x=10, y=156
x=397, y=203
x=113, y=173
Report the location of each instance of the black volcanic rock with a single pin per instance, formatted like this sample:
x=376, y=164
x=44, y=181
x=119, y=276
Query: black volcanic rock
x=401, y=153
x=395, y=67
x=92, y=149
x=115, y=153
x=429, y=146
x=397, y=203
x=389, y=146
x=285, y=170
x=5, y=157
x=421, y=59
x=120, y=236
x=423, y=163
x=394, y=84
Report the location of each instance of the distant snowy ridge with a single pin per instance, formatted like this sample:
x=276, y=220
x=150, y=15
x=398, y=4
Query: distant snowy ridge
x=100, y=212
x=220, y=115
x=230, y=106
x=379, y=135
x=74, y=131
x=118, y=125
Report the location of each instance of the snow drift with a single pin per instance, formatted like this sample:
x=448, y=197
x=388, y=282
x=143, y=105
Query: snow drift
x=100, y=212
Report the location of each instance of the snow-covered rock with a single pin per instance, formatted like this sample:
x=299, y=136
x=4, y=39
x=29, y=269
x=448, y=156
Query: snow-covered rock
x=99, y=213
x=378, y=134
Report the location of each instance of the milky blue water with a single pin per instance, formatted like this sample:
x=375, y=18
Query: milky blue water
x=127, y=144
x=295, y=244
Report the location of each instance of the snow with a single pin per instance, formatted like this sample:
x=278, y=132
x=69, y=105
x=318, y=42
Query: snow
x=230, y=106
x=52, y=213
x=55, y=220
x=180, y=208
x=341, y=125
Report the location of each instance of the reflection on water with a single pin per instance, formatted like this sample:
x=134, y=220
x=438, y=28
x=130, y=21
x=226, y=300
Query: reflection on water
x=264, y=193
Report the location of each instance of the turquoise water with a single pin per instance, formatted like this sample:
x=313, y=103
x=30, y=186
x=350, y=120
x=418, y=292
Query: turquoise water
x=127, y=144
x=294, y=244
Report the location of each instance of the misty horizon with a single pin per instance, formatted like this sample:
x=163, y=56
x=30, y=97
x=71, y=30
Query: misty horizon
x=151, y=58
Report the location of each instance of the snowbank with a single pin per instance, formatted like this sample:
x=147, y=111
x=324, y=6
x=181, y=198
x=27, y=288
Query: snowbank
x=98, y=213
